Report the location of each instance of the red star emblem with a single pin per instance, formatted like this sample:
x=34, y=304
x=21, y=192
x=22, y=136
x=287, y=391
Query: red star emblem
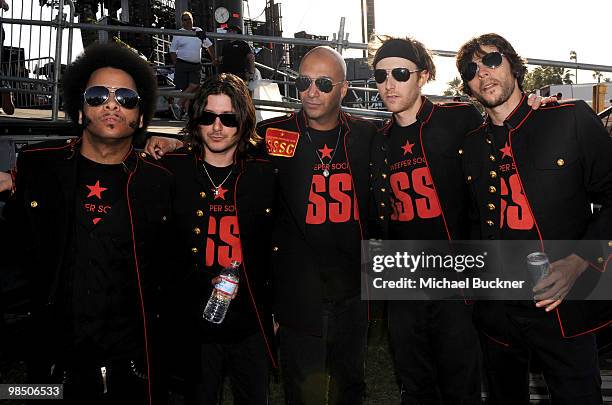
x=407, y=148
x=506, y=150
x=220, y=192
x=325, y=152
x=96, y=190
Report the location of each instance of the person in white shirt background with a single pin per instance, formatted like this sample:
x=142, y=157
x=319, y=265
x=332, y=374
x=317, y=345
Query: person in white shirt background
x=186, y=55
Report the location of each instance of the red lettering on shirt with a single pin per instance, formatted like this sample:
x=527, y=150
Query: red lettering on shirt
x=228, y=248
x=340, y=208
x=515, y=212
x=427, y=204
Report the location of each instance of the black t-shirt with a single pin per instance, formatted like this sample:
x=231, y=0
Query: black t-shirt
x=332, y=215
x=516, y=221
x=223, y=247
x=101, y=290
x=417, y=213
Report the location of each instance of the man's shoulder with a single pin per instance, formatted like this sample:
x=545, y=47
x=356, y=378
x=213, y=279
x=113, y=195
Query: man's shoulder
x=456, y=106
x=152, y=166
x=475, y=137
x=361, y=125
x=457, y=110
x=48, y=149
x=282, y=122
x=178, y=160
x=566, y=106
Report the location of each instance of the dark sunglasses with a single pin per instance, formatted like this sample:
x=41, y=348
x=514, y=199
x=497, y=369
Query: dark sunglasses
x=227, y=119
x=490, y=60
x=97, y=95
x=325, y=84
x=399, y=74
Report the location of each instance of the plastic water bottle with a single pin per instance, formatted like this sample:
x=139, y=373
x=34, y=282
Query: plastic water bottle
x=219, y=300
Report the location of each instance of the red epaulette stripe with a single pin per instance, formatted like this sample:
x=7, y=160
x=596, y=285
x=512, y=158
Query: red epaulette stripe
x=386, y=126
x=454, y=105
x=278, y=119
x=484, y=124
x=552, y=107
x=261, y=160
x=49, y=148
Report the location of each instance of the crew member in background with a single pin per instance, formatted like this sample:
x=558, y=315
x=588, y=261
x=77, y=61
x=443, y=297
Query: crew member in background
x=186, y=55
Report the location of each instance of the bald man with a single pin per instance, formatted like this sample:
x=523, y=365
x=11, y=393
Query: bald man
x=330, y=172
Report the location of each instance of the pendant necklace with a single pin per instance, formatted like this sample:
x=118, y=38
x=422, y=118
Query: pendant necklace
x=325, y=170
x=215, y=187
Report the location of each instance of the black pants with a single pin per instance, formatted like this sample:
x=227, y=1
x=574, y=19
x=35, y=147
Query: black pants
x=334, y=362
x=570, y=366
x=435, y=351
x=247, y=365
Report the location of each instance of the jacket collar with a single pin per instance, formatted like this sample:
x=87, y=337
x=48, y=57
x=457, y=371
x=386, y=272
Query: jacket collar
x=517, y=116
x=302, y=121
x=73, y=147
x=422, y=116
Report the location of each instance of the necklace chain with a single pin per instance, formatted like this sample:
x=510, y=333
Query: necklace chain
x=216, y=188
x=323, y=165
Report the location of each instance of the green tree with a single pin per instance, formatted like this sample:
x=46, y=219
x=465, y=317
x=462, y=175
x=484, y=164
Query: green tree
x=454, y=87
x=597, y=75
x=544, y=76
x=574, y=57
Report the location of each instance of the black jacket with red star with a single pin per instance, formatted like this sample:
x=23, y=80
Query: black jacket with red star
x=562, y=157
x=253, y=199
x=41, y=217
x=297, y=284
x=442, y=130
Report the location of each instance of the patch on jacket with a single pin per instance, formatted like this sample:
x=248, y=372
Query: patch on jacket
x=280, y=142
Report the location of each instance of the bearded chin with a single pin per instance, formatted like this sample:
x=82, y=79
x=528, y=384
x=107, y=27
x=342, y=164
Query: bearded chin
x=501, y=99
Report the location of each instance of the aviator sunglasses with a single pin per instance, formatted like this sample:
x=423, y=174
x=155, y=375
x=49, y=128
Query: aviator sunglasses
x=97, y=95
x=208, y=118
x=325, y=84
x=399, y=74
x=491, y=60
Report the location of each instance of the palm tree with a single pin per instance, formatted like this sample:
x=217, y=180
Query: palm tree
x=597, y=75
x=574, y=57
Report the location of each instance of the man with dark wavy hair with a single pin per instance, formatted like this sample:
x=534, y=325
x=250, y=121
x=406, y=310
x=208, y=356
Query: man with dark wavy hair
x=533, y=176
x=88, y=216
x=223, y=211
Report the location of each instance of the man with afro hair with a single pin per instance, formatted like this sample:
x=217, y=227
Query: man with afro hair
x=88, y=216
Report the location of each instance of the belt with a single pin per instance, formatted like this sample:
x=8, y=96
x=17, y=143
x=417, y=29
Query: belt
x=189, y=63
x=99, y=374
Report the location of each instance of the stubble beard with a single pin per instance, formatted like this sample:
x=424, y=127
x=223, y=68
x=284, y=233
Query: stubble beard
x=504, y=96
